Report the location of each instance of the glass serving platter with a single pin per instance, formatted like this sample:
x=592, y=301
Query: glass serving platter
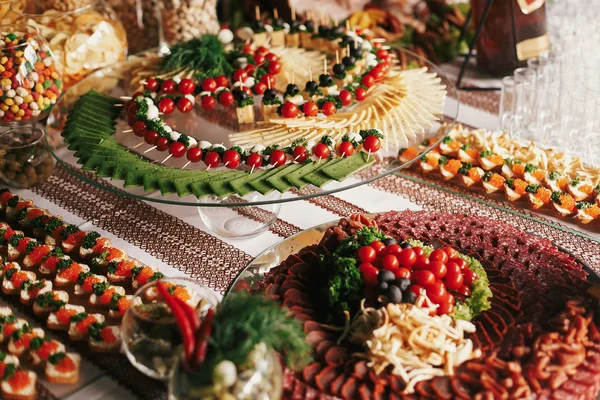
x=216, y=126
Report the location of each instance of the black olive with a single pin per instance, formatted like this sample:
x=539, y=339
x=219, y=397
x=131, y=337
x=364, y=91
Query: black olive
x=259, y=25
x=348, y=61
x=389, y=241
x=356, y=53
x=278, y=22
x=385, y=276
x=405, y=245
x=295, y=25
x=339, y=69
x=323, y=30
x=311, y=86
x=346, y=40
x=310, y=25
x=269, y=94
x=240, y=95
x=409, y=296
x=325, y=80
x=292, y=89
x=382, y=287
x=336, y=31
x=394, y=294
x=402, y=283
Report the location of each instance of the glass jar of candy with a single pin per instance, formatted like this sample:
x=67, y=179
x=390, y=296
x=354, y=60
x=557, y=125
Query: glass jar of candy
x=30, y=82
x=85, y=35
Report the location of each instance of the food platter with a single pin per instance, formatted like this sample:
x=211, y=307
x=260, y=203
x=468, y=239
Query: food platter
x=219, y=126
x=488, y=241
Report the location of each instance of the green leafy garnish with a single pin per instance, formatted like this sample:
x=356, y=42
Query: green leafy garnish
x=582, y=205
x=52, y=225
x=371, y=132
x=575, y=182
x=89, y=240
x=486, y=153
x=533, y=189
x=555, y=196
x=100, y=287
x=56, y=358
x=443, y=160
x=79, y=317
x=68, y=230
x=530, y=168
x=554, y=175
x=464, y=169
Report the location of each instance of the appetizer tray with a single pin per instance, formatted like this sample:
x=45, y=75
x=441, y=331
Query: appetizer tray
x=91, y=120
x=522, y=302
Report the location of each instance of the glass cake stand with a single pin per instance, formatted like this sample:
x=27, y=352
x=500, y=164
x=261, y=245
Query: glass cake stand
x=232, y=216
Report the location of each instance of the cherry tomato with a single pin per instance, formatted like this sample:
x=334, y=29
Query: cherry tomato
x=259, y=88
x=394, y=249
x=168, y=86
x=460, y=262
x=366, y=254
x=247, y=90
x=209, y=103
x=274, y=67
x=454, y=279
x=372, y=144
x=321, y=151
x=360, y=94
x=423, y=277
x=382, y=53
x=310, y=109
x=390, y=262
x=150, y=137
x=209, y=85
x=418, y=251
x=470, y=276
x=377, y=72
x=212, y=159
x=139, y=128
x=422, y=262
x=271, y=57
x=439, y=255
x=162, y=144
x=438, y=268
x=166, y=105
x=453, y=267
x=194, y=154
x=378, y=246
x=369, y=273
x=250, y=68
x=277, y=158
x=137, y=94
x=231, y=159
x=416, y=289
x=402, y=273
x=452, y=253
x=222, y=81
x=185, y=105
x=346, y=97
x=177, y=149
x=262, y=50
x=187, y=86
x=289, y=110
x=437, y=292
x=464, y=290
x=377, y=45
x=258, y=58
x=346, y=149
x=367, y=81
x=266, y=78
x=446, y=307
x=254, y=160
x=151, y=84
x=300, y=154
x=239, y=75
x=226, y=98
x=247, y=49
x=329, y=108
x=407, y=258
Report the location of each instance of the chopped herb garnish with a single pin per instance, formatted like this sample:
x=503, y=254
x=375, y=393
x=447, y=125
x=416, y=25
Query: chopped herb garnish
x=36, y=343
x=333, y=99
x=56, y=357
x=487, y=176
x=63, y=264
x=156, y=276
x=69, y=230
x=115, y=299
x=346, y=138
x=443, y=160
x=464, y=169
x=135, y=271
x=9, y=370
x=465, y=147
x=555, y=196
x=326, y=140
x=95, y=329
x=486, y=153
x=582, y=205
x=79, y=317
x=112, y=266
x=52, y=225
x=82, y=277
x=89, y=240
x=15, y=239
x=100, y=287
x=530, y=168
x=371, y=132
x=447, y=139
x=8, y=274
x=13, y=201
x=510, y=182
x=575, y=182
x=533, y=189
x=554, y=175
x=32, y=244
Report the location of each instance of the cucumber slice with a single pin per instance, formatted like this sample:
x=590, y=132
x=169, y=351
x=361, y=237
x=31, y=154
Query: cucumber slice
x=202, y=188
x=278, y=181
x=295, y=178
x=241, y=185
x=348, y=166
x=261, y=185
x=317, y=177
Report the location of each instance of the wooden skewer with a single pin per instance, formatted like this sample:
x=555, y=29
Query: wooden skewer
x=125, y=97
x=335, y=21
x=252, y=169
x=257, y=12
x=128, y=130
x=325, y=65
x=275, y=13
x=166, y=159
x=347, y=25
x=138, y=145
x=348, y=50
x=119, y=105
x=269, y=83
x=150, y=149
x=186, y=164
x=337, y=57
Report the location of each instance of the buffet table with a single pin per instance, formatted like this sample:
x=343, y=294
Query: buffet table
x=175, y=240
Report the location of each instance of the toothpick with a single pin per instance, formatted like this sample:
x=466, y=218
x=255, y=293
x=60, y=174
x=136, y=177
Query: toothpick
x=166, y=159
x=186, y=164
x=337, y=57
x=269, y=83
x=257, y=12
x=143, y=82
x=252, y=169
x=275, y=13
x=207, y=167
x=293, y=13
x=125, y=97
x=347, y=25
x=325, y=65
x=138, y=145
x=368, y=155
x=150, y=149
x=310, y=74
x=293, y=76
x=119, y=105
x=225, y=165
x=348, y=50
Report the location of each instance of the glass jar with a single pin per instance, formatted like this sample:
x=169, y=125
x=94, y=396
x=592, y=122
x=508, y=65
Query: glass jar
x=83, y=39
x=259, y=379
x=30, y=82
x=25, y=160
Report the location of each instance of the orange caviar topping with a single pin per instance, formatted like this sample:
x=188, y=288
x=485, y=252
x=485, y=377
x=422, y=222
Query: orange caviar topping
x=182, y=293
x=72, y=273
x=474, y=174
x=89, y=282
x=51, y=262
x=518, y=169
x=65, y=365
x=145, y=274
x=433, y=161
x=64, y=315
x=47, y=349
x=100, y=244
x=472, y=152
x=38, y=253
x=8, y=329
x=562, y=182
x=34, y=213
x=22, y=245
x=409, y=153
x=108, y=335
x=75, y=238
x=587, y=189
x=18, y=278
x=124, y=268
x=25, y=340
x=453, y=166
x=106, y=296
x=496, y=159
x=567, y=201
x=496, y=180
x=538, y=174
x=19, y=380
x=543, y=195
x=593, y=211
x=114, y=254
x=83, y=325
x=520, y=186
x=123, y=304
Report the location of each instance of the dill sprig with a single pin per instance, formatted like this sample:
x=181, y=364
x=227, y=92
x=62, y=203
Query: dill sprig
x=202, y=57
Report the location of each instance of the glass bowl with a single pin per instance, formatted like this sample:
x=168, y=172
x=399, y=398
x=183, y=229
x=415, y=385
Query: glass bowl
x=25, y=160
x=30, y=81
x=151, y=337
x=83, y=39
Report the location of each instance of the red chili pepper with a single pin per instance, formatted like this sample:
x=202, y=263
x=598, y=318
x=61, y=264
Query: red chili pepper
x=202, y=338
x=191, y=314
x=183, y=322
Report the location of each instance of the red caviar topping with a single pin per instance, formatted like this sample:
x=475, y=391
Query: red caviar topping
x=64, y=315
x=22, y=245
x=108, y=335
x=106, y=296
x=100, y=244
x=38, y=253
x=34, y=212
x=123, y=304
x=89, y=282
x=145, y=274
x=83, y=325
x=75, y=239
x=72, y=273
x=46, y=349
x=5, y=197
x=65, y=365
x=114, y=254
x=18, y=278
x=19, y=380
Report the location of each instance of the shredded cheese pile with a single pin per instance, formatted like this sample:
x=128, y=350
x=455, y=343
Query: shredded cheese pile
x=418, y=346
